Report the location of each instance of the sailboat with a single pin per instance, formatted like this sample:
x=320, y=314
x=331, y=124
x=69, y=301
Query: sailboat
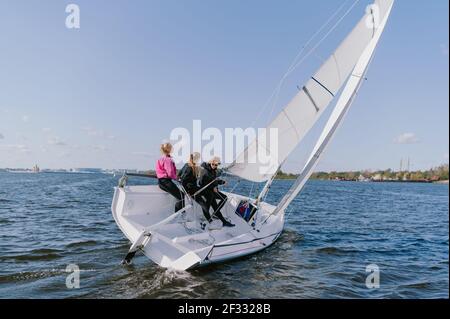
x=179, y=241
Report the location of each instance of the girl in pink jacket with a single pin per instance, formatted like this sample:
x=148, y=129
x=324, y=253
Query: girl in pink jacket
x=166, y=173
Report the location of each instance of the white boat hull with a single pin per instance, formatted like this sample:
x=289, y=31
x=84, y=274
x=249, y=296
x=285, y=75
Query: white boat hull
x=145, y=214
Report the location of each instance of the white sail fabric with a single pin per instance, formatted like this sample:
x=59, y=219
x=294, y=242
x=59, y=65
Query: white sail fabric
x=297, y=118
x=339, y=112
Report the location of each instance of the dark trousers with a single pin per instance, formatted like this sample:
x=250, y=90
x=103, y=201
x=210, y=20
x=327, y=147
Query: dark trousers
x=211, y=201
x=167, y=185
x=192, y=189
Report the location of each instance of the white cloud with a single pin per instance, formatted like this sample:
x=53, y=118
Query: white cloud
x=97, y=133
x=64, y=155
x=406, y=138
x=1, y=136
x=46, y=130
x=26, y=118
x=144, y=154
x=15, y=147
x=24, y=149
x=56, y=141
x=100, y=148
x=89, y=130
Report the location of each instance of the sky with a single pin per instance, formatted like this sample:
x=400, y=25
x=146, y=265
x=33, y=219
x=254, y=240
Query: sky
x=107, y=94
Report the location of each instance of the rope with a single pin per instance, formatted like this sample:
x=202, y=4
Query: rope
x=205, y=187
x=355, y=94
x=234, y=187
x=251, y=190
x=316, y=34
x=296, y=64
x=324, y=37
x=290, y=210
x=220, y=207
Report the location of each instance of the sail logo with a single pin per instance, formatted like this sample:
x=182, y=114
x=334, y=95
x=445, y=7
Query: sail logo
x=230, y=144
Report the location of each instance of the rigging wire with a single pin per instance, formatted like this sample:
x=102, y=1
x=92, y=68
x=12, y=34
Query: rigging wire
x=236, y=185
x=295, y=64
x=325, y=36
x=297, y=61
x=364, y=77
x=291, y=209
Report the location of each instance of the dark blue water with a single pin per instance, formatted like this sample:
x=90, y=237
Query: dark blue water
x=334, y=230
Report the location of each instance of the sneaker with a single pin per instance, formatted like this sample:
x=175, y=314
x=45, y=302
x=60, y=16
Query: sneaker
x=228, y=224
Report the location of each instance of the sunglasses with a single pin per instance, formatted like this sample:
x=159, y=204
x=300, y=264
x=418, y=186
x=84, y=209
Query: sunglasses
x=215, y=164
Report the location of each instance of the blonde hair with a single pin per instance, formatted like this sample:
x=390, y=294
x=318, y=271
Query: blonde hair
x=166, y=148
x=193, y=159
x=215, y=159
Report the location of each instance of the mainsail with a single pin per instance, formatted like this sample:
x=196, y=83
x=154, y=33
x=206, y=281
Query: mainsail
x=345, y=101
x=299, y=116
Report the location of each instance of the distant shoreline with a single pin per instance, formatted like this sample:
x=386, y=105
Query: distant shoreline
x=435, y=175
x=446, y=182
x=438, y=175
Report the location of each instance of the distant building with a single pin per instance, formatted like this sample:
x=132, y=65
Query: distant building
x=362, y=178
x=377, y=177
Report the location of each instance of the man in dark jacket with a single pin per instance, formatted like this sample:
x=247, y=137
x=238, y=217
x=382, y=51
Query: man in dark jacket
x=208, y=177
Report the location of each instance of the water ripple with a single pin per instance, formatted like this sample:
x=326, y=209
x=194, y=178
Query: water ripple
x=333, y=232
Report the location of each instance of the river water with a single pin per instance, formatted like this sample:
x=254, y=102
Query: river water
x=334, y=230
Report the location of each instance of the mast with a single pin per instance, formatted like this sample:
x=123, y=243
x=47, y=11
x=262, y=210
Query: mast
x=345, y=101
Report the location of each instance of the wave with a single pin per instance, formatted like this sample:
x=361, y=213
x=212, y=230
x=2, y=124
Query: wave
x=41, y=254
x=82, y=244
x=46, y=257
x=418, y=285
x=335, y=250
x=290, y=236
x=45, y=251
x=58, y=206
x=31, y=275
x=4, y=221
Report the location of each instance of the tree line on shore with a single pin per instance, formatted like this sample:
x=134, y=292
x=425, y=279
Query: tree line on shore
x=436, y=174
